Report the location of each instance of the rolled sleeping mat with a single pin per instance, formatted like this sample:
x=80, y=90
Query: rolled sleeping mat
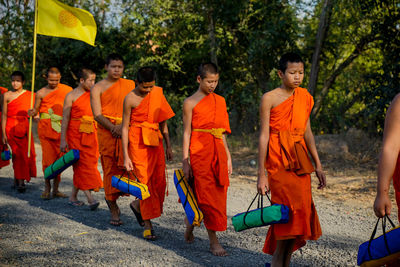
x=262, y=216
x=129, y=186
x=187, y=198
x=61, y=164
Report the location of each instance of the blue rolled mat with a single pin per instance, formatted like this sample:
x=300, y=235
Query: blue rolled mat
x=61, y=164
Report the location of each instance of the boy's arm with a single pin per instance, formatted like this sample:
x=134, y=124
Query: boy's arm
x=38, y=100
x=4, y=118
x=228, y=154
x=95, y=102
x=164, y=132
x=388, y=158
x=265, y=109
x=187, y=131
x=65, y=121
x=310, y=143
x=126, y=117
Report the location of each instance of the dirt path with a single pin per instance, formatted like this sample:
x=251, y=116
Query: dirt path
x=34, y=232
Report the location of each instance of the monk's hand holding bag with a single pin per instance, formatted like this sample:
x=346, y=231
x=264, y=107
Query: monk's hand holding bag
x=130, y=186
x=262, y=216
x=381, y=250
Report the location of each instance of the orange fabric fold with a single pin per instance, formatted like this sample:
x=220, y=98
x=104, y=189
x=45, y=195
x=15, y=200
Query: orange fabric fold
x=396, y=185
x=17, y=134
x=110, y=148
x=146, y=149
x=50, y=139
x=288, y=158
x=86, y=174
x=3, y=163
x=209, y=160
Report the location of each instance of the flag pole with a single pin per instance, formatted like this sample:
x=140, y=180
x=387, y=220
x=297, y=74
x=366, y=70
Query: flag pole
x=33, y=76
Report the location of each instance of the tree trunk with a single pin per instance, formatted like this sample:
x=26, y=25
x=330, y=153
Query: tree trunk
x=211, y=36
x=322, y=29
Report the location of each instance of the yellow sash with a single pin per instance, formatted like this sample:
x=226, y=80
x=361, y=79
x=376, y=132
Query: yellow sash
x=86, y=125
x=116, y=119
x=151, y=134
x=216, y=132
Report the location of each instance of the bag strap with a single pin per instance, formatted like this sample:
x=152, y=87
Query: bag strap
x=384, y=234
x=259, y=205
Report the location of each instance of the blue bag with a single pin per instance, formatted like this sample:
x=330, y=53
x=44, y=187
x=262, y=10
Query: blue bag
x=130, y=186
x=381, y=250
x=61, y=164
x=262, y=216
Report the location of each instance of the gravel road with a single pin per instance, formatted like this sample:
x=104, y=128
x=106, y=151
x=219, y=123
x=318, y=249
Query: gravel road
x=34, y=232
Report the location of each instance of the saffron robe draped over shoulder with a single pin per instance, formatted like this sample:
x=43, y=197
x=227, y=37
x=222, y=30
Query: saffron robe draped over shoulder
x=51, y=108
x=146, y=149
x=17, y=127
x=82, y=135
x=111, y=148
x=396, y=185
x=3, y=163
x=209, y=160
x=287, y=156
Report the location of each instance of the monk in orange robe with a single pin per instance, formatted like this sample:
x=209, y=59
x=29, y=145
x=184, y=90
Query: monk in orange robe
x=49, y=103
x=107, y=97
x=3, y=147
x=15, y=127
x=144, y=125
x=284, y=143
x=205, y=122
x=78, y=131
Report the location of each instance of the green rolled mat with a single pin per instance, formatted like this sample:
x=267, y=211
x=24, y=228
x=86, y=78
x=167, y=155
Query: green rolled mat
x=61, y=164
x=262, y=216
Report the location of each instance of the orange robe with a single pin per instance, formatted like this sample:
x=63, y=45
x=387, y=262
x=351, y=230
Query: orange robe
x=82, y=135
x=49, y=138
x=17, y=134
x=3, y=163
x=146, y=149
x=111, y=148
x=209, y=160
x=396, y=185
x=286, y=149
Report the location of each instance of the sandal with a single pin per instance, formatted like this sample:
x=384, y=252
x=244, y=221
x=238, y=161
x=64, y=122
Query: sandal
x=149, y=235
x=94, y=205
x=21, y=188
x=45, y=196
x=138, y=215
x=116, y=222
x=76, y=203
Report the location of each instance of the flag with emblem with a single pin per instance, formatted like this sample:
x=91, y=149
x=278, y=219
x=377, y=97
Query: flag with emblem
x=60, y=20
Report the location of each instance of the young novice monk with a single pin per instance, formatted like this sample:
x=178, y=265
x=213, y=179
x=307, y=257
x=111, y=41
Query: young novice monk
x=205, y=122
x=144, y=125
x=78, y=131
x=106, y=98
x=389, y=162
x=285, y=140
x=49, y=103
x=3, y=163
x=15, y=125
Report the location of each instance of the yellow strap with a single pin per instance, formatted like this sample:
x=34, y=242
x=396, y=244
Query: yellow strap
x=116, y=119
x=86, y=125
x=54, y=118
x=216, y=132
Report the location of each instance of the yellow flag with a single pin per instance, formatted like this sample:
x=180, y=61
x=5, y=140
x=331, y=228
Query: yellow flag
x=60, y=20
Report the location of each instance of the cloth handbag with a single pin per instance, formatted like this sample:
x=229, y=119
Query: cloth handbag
x=262, y=216
x=188, y=200
x=381, y=250
x=130, y=186
x=61, y=164
x=6, y=153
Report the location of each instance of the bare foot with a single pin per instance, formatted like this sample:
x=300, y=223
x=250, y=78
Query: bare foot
x=217, y=250
x=189, y=237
